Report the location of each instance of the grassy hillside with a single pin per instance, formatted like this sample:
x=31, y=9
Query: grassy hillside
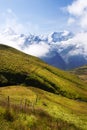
x=35, y=109
x=36, y=96
x=19, y=68
x=81, y=72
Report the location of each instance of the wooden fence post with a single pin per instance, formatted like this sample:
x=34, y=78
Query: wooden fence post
x=8, y=102
x=36, y=98
x=25, y=105
x=21, y=107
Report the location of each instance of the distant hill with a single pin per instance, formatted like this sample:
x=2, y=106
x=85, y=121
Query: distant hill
x=19, y=68
x=81, y=72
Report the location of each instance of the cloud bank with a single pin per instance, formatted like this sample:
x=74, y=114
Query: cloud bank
x=39, y=50
x=77, y=45
x=78, y=13
x=19, y=41
x=10, y=34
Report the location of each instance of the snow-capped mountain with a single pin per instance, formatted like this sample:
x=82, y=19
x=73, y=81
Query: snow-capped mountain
x=59, y=36
x=60, y=49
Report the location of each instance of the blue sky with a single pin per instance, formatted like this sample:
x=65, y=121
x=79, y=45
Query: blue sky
x=43, y=17
x=36, y=16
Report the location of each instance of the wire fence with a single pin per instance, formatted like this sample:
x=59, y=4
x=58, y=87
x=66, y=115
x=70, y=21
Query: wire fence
x=23, y=105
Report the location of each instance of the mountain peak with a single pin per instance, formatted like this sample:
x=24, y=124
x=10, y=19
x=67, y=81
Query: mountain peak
x=59, y=36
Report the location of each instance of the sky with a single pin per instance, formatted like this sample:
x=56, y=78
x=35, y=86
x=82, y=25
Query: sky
x=35, y=16
x=43, y=17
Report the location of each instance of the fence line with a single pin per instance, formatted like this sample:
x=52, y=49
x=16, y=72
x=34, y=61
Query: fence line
x=23, y=105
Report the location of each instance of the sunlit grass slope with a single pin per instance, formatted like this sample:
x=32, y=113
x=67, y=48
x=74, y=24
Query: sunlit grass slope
x=19, y=68
x=51, y=111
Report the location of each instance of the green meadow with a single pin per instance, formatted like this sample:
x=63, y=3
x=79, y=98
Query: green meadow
x=37, y=96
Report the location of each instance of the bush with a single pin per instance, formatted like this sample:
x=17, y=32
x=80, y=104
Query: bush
x=3, y=80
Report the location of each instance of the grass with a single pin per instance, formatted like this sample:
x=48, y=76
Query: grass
x=50, y=111
x=19, y=68
x=81, y=72
x=36, y=96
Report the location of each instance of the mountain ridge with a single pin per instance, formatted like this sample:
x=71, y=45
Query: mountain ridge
x=65, y=44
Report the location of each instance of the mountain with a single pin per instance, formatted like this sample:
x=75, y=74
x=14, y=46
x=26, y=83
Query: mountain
x=59, y=36
x=64, y=50
x=37, y=96
x=53, y=58
x=19, y=68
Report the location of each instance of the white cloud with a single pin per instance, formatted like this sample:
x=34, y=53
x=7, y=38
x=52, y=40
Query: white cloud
x=78, y=22
x=10, y=20
x=71, y=21
x=78, y=13
x=10, y=32
x=39, y=50
x=78, y=7
x=65, y=33
x=83, y=21
x=74, y=46
x=11, y=39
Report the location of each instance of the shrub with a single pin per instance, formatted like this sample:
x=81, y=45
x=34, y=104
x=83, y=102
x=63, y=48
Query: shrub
x=3, y=80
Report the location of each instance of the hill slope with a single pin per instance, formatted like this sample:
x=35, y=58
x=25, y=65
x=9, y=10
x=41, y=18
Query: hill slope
x=49, y=111
x=81, y=72
x=19, y=68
